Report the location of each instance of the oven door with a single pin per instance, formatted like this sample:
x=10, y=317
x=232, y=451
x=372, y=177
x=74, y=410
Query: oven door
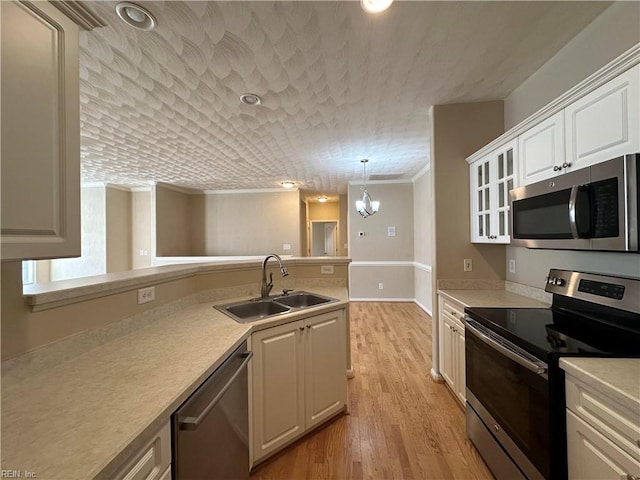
x=508, y=390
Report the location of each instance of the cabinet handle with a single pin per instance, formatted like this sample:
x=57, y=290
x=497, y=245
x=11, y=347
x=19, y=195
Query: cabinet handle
x=309, y=326
x=630, y=477
x=302, y=329
x=566, y=165
x=455, y=314
x=557, y=168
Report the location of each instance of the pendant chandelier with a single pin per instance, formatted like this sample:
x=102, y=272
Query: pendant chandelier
x=365, y=206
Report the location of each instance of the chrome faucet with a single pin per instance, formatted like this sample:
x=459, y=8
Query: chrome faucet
x=266, y=287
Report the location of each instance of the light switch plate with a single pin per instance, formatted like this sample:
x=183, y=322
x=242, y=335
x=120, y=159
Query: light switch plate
x=391, y=231
x=512, y=266
x=468, y=265
x=286, y=247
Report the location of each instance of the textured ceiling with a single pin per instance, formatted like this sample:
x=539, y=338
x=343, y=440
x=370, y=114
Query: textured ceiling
x=337, y=85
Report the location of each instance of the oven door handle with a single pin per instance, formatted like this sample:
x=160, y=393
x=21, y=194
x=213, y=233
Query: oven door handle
x=506, y=348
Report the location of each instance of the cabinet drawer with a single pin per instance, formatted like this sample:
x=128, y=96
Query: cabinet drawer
x=453, y=309
x=591, y=456
x=618, y=424
x=152, y=460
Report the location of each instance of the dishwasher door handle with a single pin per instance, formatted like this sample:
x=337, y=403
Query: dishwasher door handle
x=191, y=423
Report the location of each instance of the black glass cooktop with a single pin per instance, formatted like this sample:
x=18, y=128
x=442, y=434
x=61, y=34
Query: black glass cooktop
x=550, y=332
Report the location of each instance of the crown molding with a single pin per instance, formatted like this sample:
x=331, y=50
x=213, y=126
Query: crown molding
x=79, y=13
x=257, y=190
x=176, y=188
x=380, y=182
x=614, y=68
x=422, y=171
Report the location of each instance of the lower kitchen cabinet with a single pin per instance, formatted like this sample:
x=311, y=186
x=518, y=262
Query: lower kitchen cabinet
x=153, y=461
x=298, y=379
x=452, y=362
x=603, y=437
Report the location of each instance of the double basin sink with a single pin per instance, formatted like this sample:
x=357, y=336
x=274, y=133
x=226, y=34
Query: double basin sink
x=261, y=308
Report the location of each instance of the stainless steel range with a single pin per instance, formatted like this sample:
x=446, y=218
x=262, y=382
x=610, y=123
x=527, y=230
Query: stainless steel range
x=515, y=388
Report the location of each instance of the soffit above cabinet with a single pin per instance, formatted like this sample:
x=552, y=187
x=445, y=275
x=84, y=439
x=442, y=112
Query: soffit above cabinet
x=337, y=85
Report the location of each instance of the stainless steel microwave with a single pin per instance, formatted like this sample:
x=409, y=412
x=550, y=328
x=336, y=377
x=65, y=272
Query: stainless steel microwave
x=594, y=208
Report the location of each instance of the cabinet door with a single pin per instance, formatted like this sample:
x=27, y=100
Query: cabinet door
x=325, y=367
x=593, y=457
x=461, y=379
x=481, y=204
x=40, y=123
x=541, y=150
x=506, y=177
x=447, y=346
x=604, y=124
x=278, y=389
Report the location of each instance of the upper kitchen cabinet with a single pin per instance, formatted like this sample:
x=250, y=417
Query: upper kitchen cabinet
x=542, y=150
x=41, y=128
x=491, y=178
x=604, y=124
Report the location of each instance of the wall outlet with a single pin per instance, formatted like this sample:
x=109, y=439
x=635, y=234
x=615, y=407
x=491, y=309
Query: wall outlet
x=146, y=295
x=468, y=265
x=512, y=266
x=381, y=286
x=326, y=269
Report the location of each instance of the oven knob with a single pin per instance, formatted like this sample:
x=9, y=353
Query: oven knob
x=559, y=282
x=550, y=280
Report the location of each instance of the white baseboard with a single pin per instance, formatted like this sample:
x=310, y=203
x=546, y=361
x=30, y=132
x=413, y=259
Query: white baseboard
x=428, y=311
x=436, y=376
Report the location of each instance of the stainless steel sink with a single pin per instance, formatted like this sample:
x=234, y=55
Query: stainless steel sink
x=301, y=299
x=254, y=310
x=258, y=309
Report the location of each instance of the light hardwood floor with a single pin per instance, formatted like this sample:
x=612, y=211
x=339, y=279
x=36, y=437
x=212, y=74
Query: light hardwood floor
x=402, y=424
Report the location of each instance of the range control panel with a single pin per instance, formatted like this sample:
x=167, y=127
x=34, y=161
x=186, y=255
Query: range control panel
x=610, y=290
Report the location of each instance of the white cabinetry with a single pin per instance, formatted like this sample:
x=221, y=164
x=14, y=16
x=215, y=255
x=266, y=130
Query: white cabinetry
x=153, y=462
x=605, y=123
x=452, y=363
x=40, y=132
x=603, y=437
x=541, y=150
x=491, y=178
x=298, y=379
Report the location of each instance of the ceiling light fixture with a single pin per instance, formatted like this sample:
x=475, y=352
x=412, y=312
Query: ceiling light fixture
x=287, y=184
x=322, y=199
x=365, y=206
x=136, y=16
x=375, y=6
x=250, y=99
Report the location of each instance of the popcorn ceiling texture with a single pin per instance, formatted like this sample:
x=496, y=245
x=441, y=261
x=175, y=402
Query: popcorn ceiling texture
x=337, y=85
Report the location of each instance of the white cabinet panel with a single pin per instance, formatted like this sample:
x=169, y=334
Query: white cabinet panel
x=299, y=379
x=491, y=179
x=40, y=132
x=151, y=462
x=541, y=150
x=605, y=123
x=591, y=456
x=452, y=343
x=278, y=388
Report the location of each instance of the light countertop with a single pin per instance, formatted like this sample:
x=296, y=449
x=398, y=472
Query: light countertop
x=491, y=298
x=84, y=417
x=617, y=378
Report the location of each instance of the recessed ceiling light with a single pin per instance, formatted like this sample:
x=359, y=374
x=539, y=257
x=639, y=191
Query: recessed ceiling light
x=287, y=184
x=322, y=199
x=375, y=6
x=136, y=16
x=250, y=99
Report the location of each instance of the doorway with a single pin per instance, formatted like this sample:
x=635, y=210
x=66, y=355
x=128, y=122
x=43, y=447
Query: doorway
x=324, y=238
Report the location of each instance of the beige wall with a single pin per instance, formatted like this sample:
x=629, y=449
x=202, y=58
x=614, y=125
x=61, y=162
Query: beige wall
x=613, y=32
x=458, y=131
x=173, y=222
x=343, y=234
x=609, y=35
x=141, y=231
x=423, y=239
x=198, y=223
x=332, y=211
x=118, y=232
x=378, y=258
x=93, y=259
x=252, y=223
x=304, y=229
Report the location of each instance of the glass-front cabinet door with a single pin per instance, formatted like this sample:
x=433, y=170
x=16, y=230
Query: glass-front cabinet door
x=491, y=179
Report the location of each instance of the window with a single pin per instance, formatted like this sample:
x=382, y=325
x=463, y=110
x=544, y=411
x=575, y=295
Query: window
x=28, y=272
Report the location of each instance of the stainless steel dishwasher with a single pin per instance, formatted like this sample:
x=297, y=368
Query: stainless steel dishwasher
x=211, y=428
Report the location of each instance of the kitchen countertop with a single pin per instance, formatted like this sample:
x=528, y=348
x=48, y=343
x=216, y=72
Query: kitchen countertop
x=491, y=298
x=83, y=418
x=617, y=378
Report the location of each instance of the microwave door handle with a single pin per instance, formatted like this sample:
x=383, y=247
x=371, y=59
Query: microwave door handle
x=573, y=200
x=538, y=368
